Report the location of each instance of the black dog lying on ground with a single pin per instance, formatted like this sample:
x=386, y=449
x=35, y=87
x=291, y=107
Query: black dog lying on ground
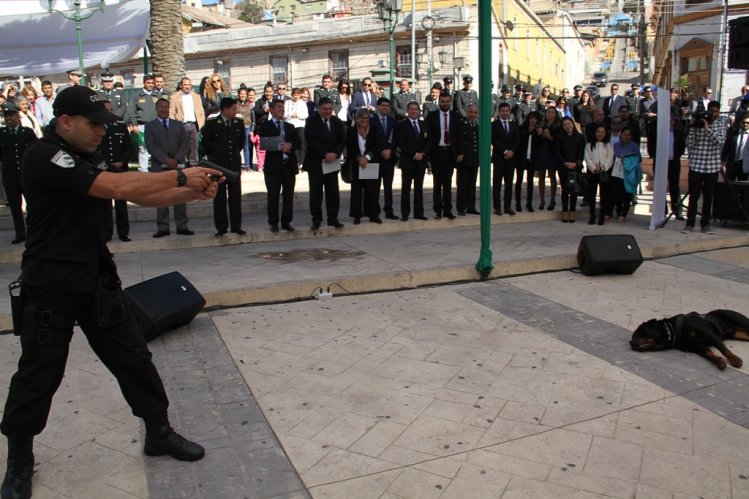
x=695, y=333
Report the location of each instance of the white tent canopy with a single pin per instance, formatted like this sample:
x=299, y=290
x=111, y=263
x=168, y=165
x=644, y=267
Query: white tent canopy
x=35, y=42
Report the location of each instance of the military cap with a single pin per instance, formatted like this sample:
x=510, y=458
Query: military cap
x=10, y=108
x=577, y=87
x=447, y=80
x=506, y=88
x=74, y=72
x=106, y=76
x=467, y=78
x=635, y=85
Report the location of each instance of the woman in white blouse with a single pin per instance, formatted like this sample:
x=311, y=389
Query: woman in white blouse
x=599, y=158
x=296, y=113
x=27, y=116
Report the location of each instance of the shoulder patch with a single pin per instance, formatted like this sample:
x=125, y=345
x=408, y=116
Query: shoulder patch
x=63, y=159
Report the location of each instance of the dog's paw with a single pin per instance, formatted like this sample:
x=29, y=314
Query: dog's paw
x=736, y=361
x=722, y=364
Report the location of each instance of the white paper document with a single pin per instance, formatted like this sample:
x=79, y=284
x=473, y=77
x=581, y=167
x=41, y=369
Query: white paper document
x=371, y=172
x=331, y=166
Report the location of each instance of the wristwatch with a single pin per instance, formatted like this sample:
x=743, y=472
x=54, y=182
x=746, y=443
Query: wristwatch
x=181, y=178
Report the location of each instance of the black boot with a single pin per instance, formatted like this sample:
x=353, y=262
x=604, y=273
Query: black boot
x=166, y=441
x=17, y=481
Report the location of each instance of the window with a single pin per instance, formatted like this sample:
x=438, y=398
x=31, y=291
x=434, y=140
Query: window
x=223, y=68
x=279, y=69
x=338, y=60
x=403, y=62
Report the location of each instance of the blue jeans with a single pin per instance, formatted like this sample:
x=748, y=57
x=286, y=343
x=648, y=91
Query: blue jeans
x=247, y=148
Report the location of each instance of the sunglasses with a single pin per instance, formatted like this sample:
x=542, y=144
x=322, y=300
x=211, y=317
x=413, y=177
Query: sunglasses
x=367, y=84
x=282, y=88
x=215, y=81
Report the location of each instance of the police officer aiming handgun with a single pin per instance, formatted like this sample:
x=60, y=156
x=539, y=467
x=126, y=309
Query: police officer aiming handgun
x=69, y=276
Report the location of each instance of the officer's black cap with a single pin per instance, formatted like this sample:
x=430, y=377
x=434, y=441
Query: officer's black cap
x=506, y=88
x=80, y=100
x=447, y=79
x=577, y=87
x=635, y=85
x=467, y=78
x=10, y=108
x=106, y=77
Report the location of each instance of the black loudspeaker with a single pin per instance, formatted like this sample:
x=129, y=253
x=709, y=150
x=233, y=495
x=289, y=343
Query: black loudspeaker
x=163, y=303
x=608, y=254
x=738, y=43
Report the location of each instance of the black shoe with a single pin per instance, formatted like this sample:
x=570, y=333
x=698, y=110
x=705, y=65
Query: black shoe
x=517, y=208
x=17, y=481
x=18, y=240
x=357, y=221
x=161, y=233
x=241, y=232
x=461, y=213
x=584, y=203
x=185, y=232
x=220, y=233
x=498, y=212
x=125, y=239
x=473, y=212
x=274, y=228
x=552, y=205
x=404, y=219
x=592, y=220
x=391, y=216
x=173, y=444
x=509, y=211
x=600, y=220
x=315, y=226
x=541, y=205
x=375, y=220
x=287, y=227
x=436, y=217
x=422, y=217
x=335, y=223
x=529, y=208
x=449, y=215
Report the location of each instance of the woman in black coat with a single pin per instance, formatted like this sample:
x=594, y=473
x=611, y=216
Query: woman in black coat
x=528, y=149
x=362, y=148
x=570, y=151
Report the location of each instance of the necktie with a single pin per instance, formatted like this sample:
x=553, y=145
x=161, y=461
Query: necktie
x=366, y=98
x=507, y=127
x=447, y=135
x=740, y=147
x=327, y=124
x=416, y=126
x=165, y=125
x=384, y=125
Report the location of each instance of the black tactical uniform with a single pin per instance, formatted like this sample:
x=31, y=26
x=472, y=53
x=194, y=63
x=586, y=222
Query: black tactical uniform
x=116, y=146
x=13, y=142
x=223, y=145
x=66, y=258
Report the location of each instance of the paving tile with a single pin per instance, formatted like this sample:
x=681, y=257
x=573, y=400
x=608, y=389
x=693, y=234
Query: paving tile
x=343, y=465
x=557, y=448
x=603, y=486
x=346, y=429
x=378, y=438
x=440, y=437
x=685, y=474
x=492, y=458
x=525, y=488
x=417, y=484
x=613, y=458
x=367, y=487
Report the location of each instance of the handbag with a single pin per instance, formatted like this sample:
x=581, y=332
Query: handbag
x=603, y=177
x=573, y=183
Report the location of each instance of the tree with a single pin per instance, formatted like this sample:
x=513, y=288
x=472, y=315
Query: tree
x=168, y=54
x=252, y=12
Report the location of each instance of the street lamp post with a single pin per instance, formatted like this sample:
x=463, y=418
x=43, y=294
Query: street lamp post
x=388, y=11
x=78, y=17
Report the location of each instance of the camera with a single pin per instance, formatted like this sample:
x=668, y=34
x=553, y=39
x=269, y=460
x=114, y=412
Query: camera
x=698, y=119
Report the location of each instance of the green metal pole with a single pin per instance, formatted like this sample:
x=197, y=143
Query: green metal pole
x=79, y=41
x=484, y=265
x=391, y=30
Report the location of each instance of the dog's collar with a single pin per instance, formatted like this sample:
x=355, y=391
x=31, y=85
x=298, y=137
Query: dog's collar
x=673, y=333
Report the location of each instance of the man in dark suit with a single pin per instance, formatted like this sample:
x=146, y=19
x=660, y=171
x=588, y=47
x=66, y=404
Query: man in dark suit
x=505, y=146
x=328, y=91
x=364, y=98
x=117, y=148
x=326, y=139
x=612, y=104
x=14, y=139
x=166, y=142
x=735, y=149
x=223, y=142
x=413, y=141
x=384, y=126
x=280, y=166
x=443, y=125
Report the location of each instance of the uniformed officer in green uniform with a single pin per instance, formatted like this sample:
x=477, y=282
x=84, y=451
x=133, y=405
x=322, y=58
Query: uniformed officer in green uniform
x=328, y=91
x=465, y=97
x=140, y=110
x=14, y=139
x=402, y=98
x=116, y=97
x=68, y=276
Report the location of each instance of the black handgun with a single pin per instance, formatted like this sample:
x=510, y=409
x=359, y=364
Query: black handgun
x=230, y=175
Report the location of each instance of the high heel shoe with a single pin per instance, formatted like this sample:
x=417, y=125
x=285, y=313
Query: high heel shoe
x=552, y=205
x=541, y=205
x=592, y=220
x=529, y=208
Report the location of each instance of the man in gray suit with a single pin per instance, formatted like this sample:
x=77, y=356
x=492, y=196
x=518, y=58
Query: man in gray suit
x=166, y=142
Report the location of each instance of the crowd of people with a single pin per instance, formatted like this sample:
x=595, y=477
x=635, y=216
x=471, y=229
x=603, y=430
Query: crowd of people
x=336, y=132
